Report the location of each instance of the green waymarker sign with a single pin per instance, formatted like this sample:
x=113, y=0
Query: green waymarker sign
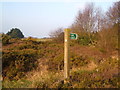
x=73, y=36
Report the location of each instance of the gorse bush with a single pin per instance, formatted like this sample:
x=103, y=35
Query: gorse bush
x=23, y=58
x=19, y=62
x=84, y=40
x=5, y=39
x=78, y=61
x=87, y=38
x=91, y=79
x=56, y=62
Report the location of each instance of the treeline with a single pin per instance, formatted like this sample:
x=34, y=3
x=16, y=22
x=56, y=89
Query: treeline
x=94, y=26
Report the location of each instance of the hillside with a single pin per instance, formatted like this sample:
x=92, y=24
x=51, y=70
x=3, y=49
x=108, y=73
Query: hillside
x=39, y=64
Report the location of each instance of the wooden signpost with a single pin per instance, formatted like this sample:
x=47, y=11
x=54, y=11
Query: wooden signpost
x=66, y=54
x=67, y=37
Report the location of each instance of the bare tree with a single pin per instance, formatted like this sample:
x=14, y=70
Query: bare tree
x=100, y=19
x=113, y=13
x=109, y=33
x=57, y=35
x=87, y=18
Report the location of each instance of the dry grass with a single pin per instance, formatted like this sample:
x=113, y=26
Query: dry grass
x=89, y=67
x=41, y=77
x=44, y=79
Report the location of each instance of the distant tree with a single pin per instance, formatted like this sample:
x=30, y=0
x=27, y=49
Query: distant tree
x=57, y=35
x=15, y=33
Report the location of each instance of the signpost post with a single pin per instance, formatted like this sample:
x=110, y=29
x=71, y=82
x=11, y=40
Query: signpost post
x=67, y=37
x=66, y=54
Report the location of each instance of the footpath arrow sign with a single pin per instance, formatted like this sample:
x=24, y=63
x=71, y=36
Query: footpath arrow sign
x=73, y=36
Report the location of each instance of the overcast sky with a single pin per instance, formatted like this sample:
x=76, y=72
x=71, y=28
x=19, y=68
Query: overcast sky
x=38, y=19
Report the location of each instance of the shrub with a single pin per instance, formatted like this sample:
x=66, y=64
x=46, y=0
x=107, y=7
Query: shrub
x=108, y=39
x=15, y=33
x=18, y=63
x=56, y=62
x=78, y=61
x=86, y=39
x=5, y=39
